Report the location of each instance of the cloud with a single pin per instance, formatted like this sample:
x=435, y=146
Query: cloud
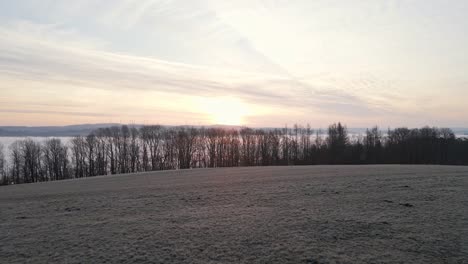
x=43, y=54
x=132, y=59
x=27, y=111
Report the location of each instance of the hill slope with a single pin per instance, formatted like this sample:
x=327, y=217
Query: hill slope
x=319, y=214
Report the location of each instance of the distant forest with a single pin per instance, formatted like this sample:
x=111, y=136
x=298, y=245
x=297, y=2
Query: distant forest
x=123, y=149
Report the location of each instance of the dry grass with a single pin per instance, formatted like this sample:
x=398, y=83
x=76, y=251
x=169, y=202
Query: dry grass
x=310, y=214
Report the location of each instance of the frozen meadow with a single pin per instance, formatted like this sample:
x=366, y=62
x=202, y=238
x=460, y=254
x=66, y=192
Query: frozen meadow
x=301, y=214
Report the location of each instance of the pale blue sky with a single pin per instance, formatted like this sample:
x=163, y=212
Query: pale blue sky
x=390, y=63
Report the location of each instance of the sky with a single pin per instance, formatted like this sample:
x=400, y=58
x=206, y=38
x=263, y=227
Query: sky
x=245, y=62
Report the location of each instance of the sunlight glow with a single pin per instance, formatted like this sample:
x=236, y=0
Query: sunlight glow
x=225, y=110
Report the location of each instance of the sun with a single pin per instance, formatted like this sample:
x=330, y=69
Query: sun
x=225, y=110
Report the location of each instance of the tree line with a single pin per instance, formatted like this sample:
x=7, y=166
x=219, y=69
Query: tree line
x=124, y=149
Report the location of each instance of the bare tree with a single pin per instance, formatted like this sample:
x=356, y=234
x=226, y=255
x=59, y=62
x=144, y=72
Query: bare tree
x=101, y=152
x=3, y=176
x=152, y=143
x=31, y=156
x=248, y=147
x=200, y=159
x=79, y=154
x=373, y=145
x=185, y=144
x=169, y=150
x=90, y=148
x=16, y=162
x=134, y=151
x=212, y=142
x=337, y=142
x=55, y=156
x=127, y=149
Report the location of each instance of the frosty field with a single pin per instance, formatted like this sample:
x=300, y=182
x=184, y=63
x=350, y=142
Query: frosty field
x=309, y=214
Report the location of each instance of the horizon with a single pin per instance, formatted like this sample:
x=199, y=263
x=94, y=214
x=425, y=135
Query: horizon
x=223, y=125
x=248, y=63
x=12, y=133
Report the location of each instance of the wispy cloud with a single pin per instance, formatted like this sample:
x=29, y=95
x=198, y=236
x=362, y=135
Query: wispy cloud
x=31, y=54
x=139, y=60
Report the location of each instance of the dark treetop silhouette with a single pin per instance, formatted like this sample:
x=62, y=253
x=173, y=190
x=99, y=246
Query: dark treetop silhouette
x=123, y=149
